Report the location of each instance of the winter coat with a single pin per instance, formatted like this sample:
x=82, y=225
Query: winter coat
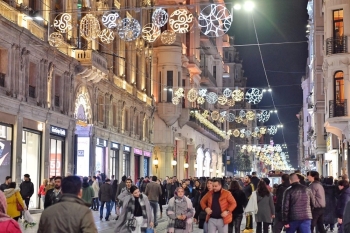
x=248, y=189
x=88, y=193
x=27, y=189
x=96, y=188
x=41, y=191
x=298, y=201
x=266, y=208
x=12, y=197
x=170, y=189
x=105, y=193
x=279, y=194
x=74, y=216
x=343, y=199
x=3, y=187
x=226, y=200
x=51, y=198
x=119, y=189
x=331, y=202
x=143, y=186
x=153, y=191
x=255, y=181
x=318, y=191
x=346, y=218
x=162, y=197
x=10, y=226
x=241, y=201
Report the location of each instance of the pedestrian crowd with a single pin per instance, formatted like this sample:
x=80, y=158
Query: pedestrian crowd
x=302, y=204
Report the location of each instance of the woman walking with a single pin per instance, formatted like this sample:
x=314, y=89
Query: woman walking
x=161, y=198
x=14, y=198
x=96, y=187
x=180, y=210
x=136, y=214
x=42, y=192
x=331, y=193
x=7, y=224
x=343, y=199
x=88, y=192
x=241, y=200
x=266, y=208
x=114, y=195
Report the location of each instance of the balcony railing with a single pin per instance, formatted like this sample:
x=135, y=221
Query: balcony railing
x=337, y=45
x=338, y=108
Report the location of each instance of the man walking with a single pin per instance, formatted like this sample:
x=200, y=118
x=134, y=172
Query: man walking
x=278, y=224
x=219, y=205
x=5, y=185
x=255, y=180
x=248, y=189
x=153, y=192
x=105, y=196
x=70, y=214
x=144, y=183
x=297, y=204
x=320, y=201
x=53, y=195
x=27, y=189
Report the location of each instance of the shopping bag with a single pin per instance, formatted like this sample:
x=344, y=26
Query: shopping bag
x=28, y=220
x=149, y=230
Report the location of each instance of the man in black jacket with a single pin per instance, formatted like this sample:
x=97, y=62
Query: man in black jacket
x=27, y=189
x=255, y=180
x=105, y=196
x=5, y=185
x=53, y=195
x=278, y=224
x=297, y=204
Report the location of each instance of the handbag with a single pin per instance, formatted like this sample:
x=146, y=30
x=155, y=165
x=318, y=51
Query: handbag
x=179, y=224
x=131, y=223
x=19, y=206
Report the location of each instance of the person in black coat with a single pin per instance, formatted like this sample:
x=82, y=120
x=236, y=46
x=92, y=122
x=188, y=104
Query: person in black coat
x=255, y=180
x=331, y=201
x=278, y=224
x=27, y=189
x=196, y=200
x=241, y=200
x=343, y=199
x=162, y=198
x=187, y=190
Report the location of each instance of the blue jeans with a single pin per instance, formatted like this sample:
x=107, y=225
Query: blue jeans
x=154, y=205
x=112, y=205
x=108, y=207
x=304, y=226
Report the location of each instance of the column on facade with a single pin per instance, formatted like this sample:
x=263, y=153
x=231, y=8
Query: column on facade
x=120, y=161
x=191, y=160
x=46, y=149
x=181, y=153
x=132, y=164
x=69, y=147
x=16, y=73
x=165, y=156
x=142, y=164
x=93, y=153
x=213, y=164
x=17, y=148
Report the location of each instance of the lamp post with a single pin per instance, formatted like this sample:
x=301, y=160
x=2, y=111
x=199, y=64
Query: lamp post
x=174, y=163
x=155, y=162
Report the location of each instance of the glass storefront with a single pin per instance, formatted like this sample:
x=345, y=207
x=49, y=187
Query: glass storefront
x=56, y=156
x=114, y=160
x=31, y=144
x=126, y=161
x=145, y=167
x=83, y=156
x=101, y=159
x=5, y=150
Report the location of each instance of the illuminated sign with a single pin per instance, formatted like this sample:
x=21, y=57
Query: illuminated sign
x=58, y=131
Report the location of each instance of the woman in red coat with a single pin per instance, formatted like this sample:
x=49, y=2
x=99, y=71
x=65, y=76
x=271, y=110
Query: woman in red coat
x=7, y=224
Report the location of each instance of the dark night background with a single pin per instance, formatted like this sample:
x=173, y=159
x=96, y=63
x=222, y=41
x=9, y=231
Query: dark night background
x=276, y=21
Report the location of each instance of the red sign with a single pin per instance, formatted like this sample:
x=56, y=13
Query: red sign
x=55, y=164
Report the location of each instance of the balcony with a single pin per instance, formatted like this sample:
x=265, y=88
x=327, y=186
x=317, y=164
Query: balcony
x=197, y=125
x=336, y=45
x=91, y=58
x=338, y=108
x=208, y=79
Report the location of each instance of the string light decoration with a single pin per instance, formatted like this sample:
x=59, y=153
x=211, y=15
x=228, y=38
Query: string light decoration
x=239, y=120
x=55, y=39
x=89, y=27
x=227, y=93
x=181, y=21
x=272, y=130
x=202, y=92
x=106, y=36
x=210, y=125
x=237, y=95
x=263, y=116
x=222, y=100
x=192, y=95
x=205, y=114
x=231, y=117
x=254, y=95
x=200, y=100
x=111, y=20
x=129, y=29
x=242, y=114
x=236, y=133
x=250, y=115
x=168, y=37
x=160, y=17
x=63, y=23
x=150, y=32
x=215, y=115
x=176, y=100
x=231, y=102
x=211, y=98
x=179, y=92
x=215, y=20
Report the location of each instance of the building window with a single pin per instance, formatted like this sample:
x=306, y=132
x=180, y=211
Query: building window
x=339, y=85
x=126, y=120
x=58, y=89
x=2, y=80
x=214, y=72
x=115, y=115
x=169, y=83
x=32, y=79
x=338, y=23
x=100, y=108
x=3, y=66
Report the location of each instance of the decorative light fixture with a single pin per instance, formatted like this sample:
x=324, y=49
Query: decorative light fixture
x=222, y=99
x=211, y=98
x=254, y=95
x=129, y=29
x=168, y=37
x=106, y=36
x=186, y=165
x=160, y=17
x=155, y=162
x=89, y=27
x=55, y=39
x=181, y=21
x=192, y=95
x=264, y=116
x=174, y=163
x=175, y=100
x=111, y=19
x=63, y=23
x=215, y=20
x=150, y=32
x=210, y=170
x=195, y=166
x=231, y=117
x=237, y=95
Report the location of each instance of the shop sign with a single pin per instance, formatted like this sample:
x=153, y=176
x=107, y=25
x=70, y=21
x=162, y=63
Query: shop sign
x=58, y=131
x=137, y=151
x=80, y=153
x=101, y=142
x=147, y=153
x=127, y=148
x=114, y=146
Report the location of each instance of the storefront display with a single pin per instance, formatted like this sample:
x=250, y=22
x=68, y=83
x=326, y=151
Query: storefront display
x=83, y=156
x=114, y=160
x=126, y=160
x=147, y=155
x=138, y=155
x=101, y=162
x=57, y=142
x=5, y=150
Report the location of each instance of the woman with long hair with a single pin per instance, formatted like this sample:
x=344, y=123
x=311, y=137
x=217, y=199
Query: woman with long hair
x=197, y=199
x=114, y=194
x=330, y=190
x=42, y=192
x=266, y=208
x=180, y=209
x=161, y=198
x=14, y=198
x=241, y=200
x=136, y=213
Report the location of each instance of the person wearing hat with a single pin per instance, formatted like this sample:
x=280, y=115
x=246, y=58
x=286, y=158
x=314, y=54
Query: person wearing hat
x=105, y=195
x=135, y=206
x=27, y=189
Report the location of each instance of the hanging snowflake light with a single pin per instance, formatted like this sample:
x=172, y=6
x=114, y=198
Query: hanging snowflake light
x=231, y=117
x=211, y=97
x=223, y=113
x=168, y=37
x=227, y=93
x=89, y=27
x=150, y=32
x=222, y=100
x=215, y=115
x=192, y=95
x=111, y=19
x=250, y=115
x=264, y=116
x=63, y=23
x=106, y=36
x=254, y=95
x=181, y=21
x=215, y=20
x=237, y=95
x=55, y=39
x=236, y=133
x=202, y=92
x=272, y=130
x=200, y=100
x=129, y=29
x=160, y=17
x=231, y=102
x=242, y=113
x=256, y=129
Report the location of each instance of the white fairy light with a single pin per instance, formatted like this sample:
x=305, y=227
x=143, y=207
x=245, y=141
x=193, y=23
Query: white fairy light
x=111, y=20
x=211, y=98
x=150, y=32
x=160, y=17
x=129, y=29
x=263, y=116
x=89, y=27
x=63, y=23
x=168, y=37
x=55, y=39
x=254, y=95
x=106, y=36
x=227, y=93
x=181, y=21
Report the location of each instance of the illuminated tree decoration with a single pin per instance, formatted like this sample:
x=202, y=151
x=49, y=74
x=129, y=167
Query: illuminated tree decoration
x=200, y=100
x=63, y=23
x=192, y=95
x=150, y=32
x=106, y=36
x=129, y=29
x=227, y=93
x=181, y=21
x=55, y=39
x=89, y=27
x=111, y=20
x=215, y=20
x=176, y=100
x=222, y=100
x=254, y=95
x=215, y=115
x=231, y=102
x=202, y=92
x=237, y=95
x=211, y=98
x=250, y=115
x=160, y=17
x=231, y=117
x=264, y=116
x=168, y=37
x=272, y=130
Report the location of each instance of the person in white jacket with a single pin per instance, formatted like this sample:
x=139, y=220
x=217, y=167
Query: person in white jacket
x=96, y=187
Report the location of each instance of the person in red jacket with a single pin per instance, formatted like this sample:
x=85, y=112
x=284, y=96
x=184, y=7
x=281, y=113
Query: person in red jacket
x=7, y=224
x=42, y=192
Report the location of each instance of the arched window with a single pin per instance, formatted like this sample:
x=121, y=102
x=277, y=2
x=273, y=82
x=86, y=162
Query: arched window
x=200, y=158
x=207, y=164
x=339, y=86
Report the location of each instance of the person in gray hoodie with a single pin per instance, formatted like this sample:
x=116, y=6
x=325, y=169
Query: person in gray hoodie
x=320, y=201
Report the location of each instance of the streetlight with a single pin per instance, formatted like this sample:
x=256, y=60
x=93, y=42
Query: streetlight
x=249, y=5
x=155, y=162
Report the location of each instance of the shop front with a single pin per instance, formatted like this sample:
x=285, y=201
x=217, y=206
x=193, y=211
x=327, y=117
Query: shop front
x=114, y=160
x=137, y=156
x=126, y=160
x=101, y=159
x=57, y=150
x=146, y=163
x=5, y=149
x=82, y=163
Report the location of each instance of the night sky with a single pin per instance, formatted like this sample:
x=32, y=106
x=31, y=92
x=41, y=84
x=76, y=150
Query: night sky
x=276, y=21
